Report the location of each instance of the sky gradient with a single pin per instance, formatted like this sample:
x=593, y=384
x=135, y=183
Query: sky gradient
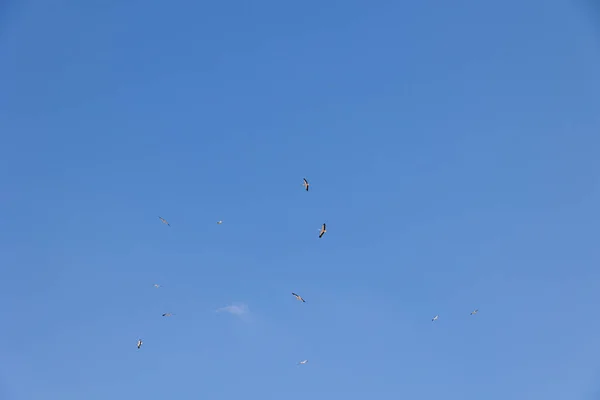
x=452, y=149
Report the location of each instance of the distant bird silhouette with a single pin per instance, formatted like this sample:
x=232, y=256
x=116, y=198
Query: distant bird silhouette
x=306, y=184
x=435, y=318
x=167, y=314
x=156, y=285
x=164, y=221
x=139, y=344
x=219, y=222
x=474, y=311
x=302, y=362
x=323, y=230
x=299, y=297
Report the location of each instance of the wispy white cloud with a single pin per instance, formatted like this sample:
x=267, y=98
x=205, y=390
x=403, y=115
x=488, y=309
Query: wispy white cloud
x=235, y=309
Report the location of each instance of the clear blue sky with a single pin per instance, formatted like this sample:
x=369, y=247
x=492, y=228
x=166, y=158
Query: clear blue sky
x=452, y=148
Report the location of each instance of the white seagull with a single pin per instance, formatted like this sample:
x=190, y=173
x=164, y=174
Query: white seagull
x=139, y=344
x=156, y=285
x=475, y=311
x=435, y=318
x=219, y=222
x=299, y=297
x=303, y=362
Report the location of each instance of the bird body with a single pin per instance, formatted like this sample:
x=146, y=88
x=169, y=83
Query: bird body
x=156, y=285
x=298, y=297
x=322, y=231
x=167, y=314
x=139, y=343
x=306, y=184
x=219, y=222
x=302, y=362
x=474, y=311
x=435, y=318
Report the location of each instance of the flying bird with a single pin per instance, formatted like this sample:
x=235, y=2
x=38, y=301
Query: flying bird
x=303, y=362
x=219, y=222
x=139, y=344
x=164, y=221
x=323, y=230
x=474, y=311
x=156, y=285
x=305, y=184
x=167, y=314
x=435, y=318
x=299, y=297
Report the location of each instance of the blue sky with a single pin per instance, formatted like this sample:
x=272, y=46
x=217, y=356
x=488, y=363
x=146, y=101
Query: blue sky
x=452, y=149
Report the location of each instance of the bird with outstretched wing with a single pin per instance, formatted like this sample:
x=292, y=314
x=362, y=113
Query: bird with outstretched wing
x=164, y=221
x=299, y=297
x=322, y=231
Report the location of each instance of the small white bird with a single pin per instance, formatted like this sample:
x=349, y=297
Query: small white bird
x=322, y=231
x=474, y=311
x=164, y=221
x=435, y=318
x=219, y=222
x=156, y=285
x=167, y=314
x=298, y=297
x=303, y=362
x=139, y=344
x=306, y=184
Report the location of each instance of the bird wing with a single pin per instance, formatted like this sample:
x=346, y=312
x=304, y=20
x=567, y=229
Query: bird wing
x=294, y=294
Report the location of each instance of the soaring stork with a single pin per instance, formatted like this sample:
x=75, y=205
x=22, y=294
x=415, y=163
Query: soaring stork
x=164, y=221
x=305, y=184
x=322, y=231
x=298, y=297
